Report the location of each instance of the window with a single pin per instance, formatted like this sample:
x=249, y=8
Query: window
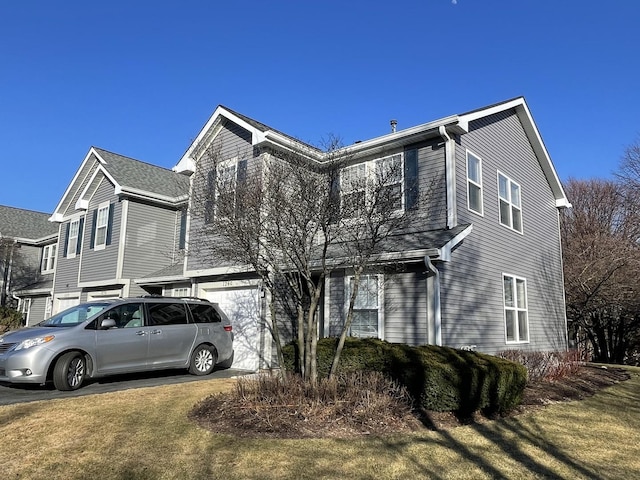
x=366, y=321
x=377, y=184
x=73, y=238
x=167, y=314
x=101, y=226
x=128, y=315
x=474, y=183
x=181, y=292
x=204, y=313
x=510, y=207
x=48, y=258
x=515, y=309
x=222, y=184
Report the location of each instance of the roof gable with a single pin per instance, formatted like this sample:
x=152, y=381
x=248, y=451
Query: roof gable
x=129, y=176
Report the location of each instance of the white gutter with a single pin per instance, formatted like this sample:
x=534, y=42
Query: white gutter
x=450, y=177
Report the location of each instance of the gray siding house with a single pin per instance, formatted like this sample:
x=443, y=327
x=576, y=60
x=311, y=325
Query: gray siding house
x=481, y=264
x=28, y=244
x=119, y=219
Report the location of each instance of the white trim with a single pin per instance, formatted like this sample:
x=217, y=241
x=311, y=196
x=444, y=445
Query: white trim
x=101, y=283
x=380, y=300
x=450, y=177
x=71, y=253
x=104, y=206
x=509, y=200
x=49, y=257
x=122, y=240
x=58, y=216
x=530, y=128
x=516, y=308
x=470, y=181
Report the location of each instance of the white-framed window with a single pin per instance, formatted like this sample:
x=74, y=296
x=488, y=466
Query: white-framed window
x=510, y=203
x=48, y=307
x=368, y=314
x=474, y=183
x=515, y=309
x=25, y=309
x=48, y=258
x=375, y=184
x=101, y=226
x=222, y=183
x=181, y=292
x=73, y=238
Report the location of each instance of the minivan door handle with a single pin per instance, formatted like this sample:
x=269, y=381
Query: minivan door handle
x=141, y=332
x=156, y=332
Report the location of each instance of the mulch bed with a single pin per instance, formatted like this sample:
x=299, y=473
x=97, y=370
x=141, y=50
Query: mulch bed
x=222, y=414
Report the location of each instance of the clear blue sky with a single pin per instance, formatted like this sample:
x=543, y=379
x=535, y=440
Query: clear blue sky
x=141, y=77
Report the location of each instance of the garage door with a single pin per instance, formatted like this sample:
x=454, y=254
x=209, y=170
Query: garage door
x=64, y=303
x=242, y=306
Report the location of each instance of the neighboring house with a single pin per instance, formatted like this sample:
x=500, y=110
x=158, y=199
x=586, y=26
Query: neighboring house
x=28, y=243
x=481, y=268
x=119, y=219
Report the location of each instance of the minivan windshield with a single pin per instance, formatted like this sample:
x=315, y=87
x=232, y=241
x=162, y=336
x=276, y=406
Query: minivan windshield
x=75, y=315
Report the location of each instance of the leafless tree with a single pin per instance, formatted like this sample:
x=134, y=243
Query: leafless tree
x=286, y=218
x=600, y=236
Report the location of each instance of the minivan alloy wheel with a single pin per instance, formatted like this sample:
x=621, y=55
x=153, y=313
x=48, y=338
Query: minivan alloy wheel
x=203, y=360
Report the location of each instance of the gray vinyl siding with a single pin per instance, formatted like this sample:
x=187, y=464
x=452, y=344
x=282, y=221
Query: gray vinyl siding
x=101, y=264
x=404, y=306
x=37, y=310
x=233, y=141
x=66, y=276
x=85, y=174
x=149, y=242
x=472, y=289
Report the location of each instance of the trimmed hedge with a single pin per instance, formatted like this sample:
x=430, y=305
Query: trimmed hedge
x=438, y=378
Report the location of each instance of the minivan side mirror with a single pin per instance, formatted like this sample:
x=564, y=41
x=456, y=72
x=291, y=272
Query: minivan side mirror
x=107, y=323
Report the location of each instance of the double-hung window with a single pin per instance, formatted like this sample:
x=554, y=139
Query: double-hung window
x=367, y=314
x=48, y=258
x=222, y=183
x=510, y=204
x=474, y=183
x=515, y=309
x=101, y=226
x=73, y=238
x=376, y=185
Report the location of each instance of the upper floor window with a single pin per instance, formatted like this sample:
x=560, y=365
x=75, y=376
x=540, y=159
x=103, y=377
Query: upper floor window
x=101, y=226
x=515, y=309
x=222, y=184
x=48, y=258
x=510, y=205
x=474, y=183
x=74, y=235
x=181, y=292
x=367, y=314
x=373, y=186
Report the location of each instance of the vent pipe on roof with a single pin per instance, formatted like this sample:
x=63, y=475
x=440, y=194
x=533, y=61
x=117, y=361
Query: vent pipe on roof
x=394, y=124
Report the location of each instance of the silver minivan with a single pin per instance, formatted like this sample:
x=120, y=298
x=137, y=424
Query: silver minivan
x=108, y=337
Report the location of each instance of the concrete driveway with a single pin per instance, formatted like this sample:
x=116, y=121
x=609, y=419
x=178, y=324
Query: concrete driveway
x=10, y=394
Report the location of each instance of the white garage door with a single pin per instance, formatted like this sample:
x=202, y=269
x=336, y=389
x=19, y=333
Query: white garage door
x=64, y=303
x=243, y=309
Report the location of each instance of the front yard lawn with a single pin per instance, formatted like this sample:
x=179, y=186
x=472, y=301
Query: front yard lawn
x=146, y=434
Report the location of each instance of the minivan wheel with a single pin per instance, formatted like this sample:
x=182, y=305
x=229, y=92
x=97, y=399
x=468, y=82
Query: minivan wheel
x=203, y=359
x=70, y=371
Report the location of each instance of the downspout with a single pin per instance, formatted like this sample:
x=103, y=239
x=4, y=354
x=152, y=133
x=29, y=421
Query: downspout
x=434, y=324
x=450, y=176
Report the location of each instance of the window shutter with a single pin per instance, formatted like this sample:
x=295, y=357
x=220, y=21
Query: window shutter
x=92, y=240
x=42, y=265
x=241, y=175
x=334, y=198
x=210, y=195
x=80, y=230
x=411, y=189
x=66, y=239
x=110, y=223
x=183, y=229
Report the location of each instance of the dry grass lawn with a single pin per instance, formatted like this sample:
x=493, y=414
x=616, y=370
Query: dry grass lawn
x=145, y=434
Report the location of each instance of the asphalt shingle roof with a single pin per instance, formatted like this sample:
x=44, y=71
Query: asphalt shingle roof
x=138, y=175
x=20, y=223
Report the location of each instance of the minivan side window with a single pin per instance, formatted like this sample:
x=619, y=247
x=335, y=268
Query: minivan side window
x=128, y=315
x=167, y=314
x=204, y=313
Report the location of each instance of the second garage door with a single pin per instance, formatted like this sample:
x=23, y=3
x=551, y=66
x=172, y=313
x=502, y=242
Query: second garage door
x=242, y=306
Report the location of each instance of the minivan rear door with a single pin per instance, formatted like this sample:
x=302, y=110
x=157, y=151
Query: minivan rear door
x=171, y=336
